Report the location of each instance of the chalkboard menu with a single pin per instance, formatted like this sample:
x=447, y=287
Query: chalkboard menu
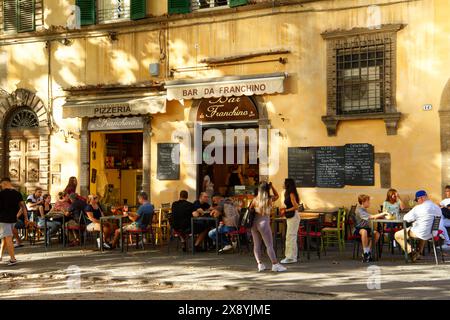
x=359, y=165
x=166, y=168
x=330, y=167
x=302, y=166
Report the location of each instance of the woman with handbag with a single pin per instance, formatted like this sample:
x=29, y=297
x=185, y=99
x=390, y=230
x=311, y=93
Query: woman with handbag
x=261, y=230
x=291, y=201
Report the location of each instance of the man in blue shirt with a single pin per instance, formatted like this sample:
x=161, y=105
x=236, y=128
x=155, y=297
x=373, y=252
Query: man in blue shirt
x=140, y=220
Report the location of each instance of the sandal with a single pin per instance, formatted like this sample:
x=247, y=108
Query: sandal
x=11, y=263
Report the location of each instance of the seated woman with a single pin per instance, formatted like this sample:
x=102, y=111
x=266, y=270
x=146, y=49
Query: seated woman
x=94, y=212
x=363, y=228
x=45, y=208
x=61, y=205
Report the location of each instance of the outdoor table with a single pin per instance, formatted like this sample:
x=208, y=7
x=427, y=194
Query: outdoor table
x=204, y=219
x=385, y=221
x=275, y=225
x=51, y=215
x=112, y=218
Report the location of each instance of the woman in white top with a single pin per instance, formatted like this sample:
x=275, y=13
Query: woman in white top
x=261, y=230
x=208, y=185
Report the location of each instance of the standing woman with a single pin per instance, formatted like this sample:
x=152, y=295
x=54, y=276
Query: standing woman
x=291, y=201
x=261, y=230
x=71, y=186
x=208, y=185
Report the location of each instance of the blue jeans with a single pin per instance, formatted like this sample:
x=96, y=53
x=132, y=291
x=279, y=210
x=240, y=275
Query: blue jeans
x=53, y=226
x=222, y=231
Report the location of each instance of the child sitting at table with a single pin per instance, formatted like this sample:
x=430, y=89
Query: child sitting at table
x=363, y=226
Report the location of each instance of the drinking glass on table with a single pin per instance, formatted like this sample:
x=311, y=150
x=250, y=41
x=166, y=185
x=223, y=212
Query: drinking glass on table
x=125, y=210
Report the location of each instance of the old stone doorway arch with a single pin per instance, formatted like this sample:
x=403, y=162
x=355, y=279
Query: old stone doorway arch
x=24, y=140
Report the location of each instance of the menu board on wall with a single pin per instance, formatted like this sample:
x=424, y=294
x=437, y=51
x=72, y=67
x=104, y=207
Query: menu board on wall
x=302, y=166
x=330, y=167
x=166, y=168
x=359, y=165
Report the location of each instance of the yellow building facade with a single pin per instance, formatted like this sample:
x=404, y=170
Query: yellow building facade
x=319, y=74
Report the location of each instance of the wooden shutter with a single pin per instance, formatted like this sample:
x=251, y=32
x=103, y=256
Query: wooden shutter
x=9, y=15
x=138, y=9
x=236, y=3
x=179, y=6
x=25, y=15
x=87, y=11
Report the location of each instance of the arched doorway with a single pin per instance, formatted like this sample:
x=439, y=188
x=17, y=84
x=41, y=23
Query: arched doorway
x=444, y=115
x=24, y=140
x=245, y=113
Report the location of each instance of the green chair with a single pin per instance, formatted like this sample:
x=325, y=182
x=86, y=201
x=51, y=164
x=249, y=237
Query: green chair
x=335, y=235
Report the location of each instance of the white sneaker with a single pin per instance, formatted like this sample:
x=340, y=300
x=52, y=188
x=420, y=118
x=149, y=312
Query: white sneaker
x=288, y=260
x=278, y=268
x=228, y=247
x=261, y=267
x=445, y=246
x=106, y=246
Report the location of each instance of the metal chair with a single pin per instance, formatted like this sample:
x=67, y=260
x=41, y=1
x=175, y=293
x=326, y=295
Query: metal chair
x=140, y=233
x=436, y=239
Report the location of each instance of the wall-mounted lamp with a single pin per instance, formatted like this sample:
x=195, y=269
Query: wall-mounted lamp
x=65, y=42
x=112, y=36
x=68, y=134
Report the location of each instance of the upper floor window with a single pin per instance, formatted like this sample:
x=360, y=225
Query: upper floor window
x=186, y=6
x=361, y=76
x=105, y=11
x=21, y=15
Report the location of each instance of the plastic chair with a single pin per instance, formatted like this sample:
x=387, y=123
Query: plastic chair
x=350, y=222
x=335, y=235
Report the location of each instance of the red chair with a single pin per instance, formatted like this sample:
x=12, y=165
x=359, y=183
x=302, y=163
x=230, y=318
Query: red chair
x=140, y=233
x=178, y=235
x=235, y=236
x=304, y=234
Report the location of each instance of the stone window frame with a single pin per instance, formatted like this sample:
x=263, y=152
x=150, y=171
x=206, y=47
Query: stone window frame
x=390, y=115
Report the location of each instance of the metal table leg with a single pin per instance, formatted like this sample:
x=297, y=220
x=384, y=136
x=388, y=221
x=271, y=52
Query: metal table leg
x=192, y=238
x=217, y=236
x=121, y=233
x=308, y=238
x=405, y=234
x=101, y=235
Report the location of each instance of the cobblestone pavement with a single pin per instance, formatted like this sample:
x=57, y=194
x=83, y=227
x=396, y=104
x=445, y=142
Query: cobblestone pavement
x=156, y=274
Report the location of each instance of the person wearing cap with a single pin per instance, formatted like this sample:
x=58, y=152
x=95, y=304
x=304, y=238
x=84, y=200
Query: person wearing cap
x=422, y=216
x=74, y=215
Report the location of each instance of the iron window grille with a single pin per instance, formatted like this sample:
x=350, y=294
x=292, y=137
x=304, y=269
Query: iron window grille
x=113, y=10
x=363, y=76
x=208, y=4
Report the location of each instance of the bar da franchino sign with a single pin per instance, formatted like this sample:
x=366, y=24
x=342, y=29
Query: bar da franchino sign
x=227, y=109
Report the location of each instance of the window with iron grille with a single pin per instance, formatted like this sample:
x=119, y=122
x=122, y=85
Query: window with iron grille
x=362, y=76
x=113, y=10
x=361, y=69
x=206, y=4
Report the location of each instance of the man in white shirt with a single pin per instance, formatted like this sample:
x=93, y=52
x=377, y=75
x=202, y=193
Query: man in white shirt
x=422, y=217
x=445, y=222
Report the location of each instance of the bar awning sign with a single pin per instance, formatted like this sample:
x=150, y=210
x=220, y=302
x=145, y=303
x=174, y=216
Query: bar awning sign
x=226, y=87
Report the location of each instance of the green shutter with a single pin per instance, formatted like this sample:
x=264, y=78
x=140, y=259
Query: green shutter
x=179, y=6
x=236, y=3
x=9, y=15
x=25, y=15
x=87, y=11
x=138, y=9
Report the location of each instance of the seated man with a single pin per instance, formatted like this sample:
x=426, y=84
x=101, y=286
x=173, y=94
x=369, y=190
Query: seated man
x=182, y=213
x=228, y=213
x=201, y=208
x=75, y=215
x=144, y=213
x=445, y=222
x=422, y=217
x=362, y=226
